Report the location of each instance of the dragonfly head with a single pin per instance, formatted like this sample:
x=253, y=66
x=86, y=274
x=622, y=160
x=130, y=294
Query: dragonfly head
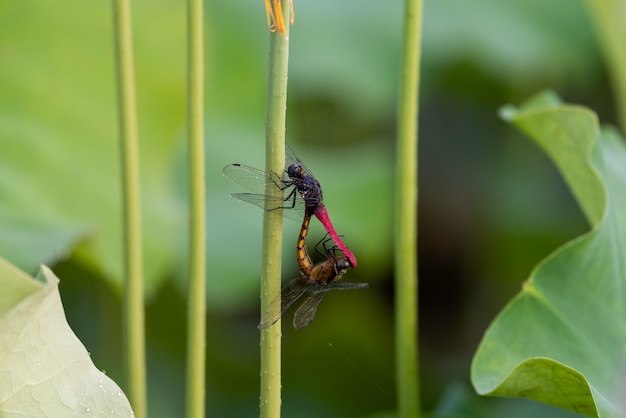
x=295, y=171
x=342, y=265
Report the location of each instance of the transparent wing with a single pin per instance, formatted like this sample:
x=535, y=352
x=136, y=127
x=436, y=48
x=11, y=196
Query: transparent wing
x=292, y=210
x=345, y=286
x=291, y=158
x=257, y=180
x=306, y=312
x=252, y=178
x=290, y=293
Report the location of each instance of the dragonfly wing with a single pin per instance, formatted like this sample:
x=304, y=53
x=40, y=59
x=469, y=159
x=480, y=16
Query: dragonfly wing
x=252, y=178
x=290, y=293
x=295, y=213
x=346, y=285
x=257, y=181
x=306, y=312
x=292, y=158
x=262, y=201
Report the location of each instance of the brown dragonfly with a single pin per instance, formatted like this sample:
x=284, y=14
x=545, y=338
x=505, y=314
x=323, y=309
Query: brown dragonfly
x=315, y=280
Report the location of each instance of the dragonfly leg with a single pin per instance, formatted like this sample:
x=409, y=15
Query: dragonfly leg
x=293, y=194
x=322, y=242
x=327, y=251
x=290, y=199
x=278, y=181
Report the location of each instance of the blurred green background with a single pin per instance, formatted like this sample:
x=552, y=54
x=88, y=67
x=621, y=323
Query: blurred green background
x=491, y=205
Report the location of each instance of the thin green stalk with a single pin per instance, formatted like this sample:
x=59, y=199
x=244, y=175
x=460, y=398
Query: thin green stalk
x=133, y=284
x=610, y=22
x=272, y=221
x=196, y=333
x=406, y=218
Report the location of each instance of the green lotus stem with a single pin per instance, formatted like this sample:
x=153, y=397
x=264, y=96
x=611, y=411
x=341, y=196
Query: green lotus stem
x=272, y=220
x=196, y=322
x=406, y=218
x=133, y=268
x=610, y=22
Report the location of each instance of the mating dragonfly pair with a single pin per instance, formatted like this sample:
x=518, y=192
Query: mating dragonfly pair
x=301, y=195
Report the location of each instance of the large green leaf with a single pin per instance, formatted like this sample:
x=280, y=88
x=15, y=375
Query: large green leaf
x=44, y=368
x=562, y=339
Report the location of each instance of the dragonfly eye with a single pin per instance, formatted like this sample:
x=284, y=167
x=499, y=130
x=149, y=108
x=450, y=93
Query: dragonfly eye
x=294, y=171
x=343, y=264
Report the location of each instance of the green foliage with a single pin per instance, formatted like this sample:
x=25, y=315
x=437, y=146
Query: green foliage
x=58, y=133
x=561, y=340
x=59, y=154
x=609, y=19
x=59, y=141
x=59, y=173
x=46, y=371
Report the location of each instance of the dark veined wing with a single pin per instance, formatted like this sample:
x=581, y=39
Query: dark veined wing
x=252, y=178
x=257, y=180
x=306, y=312
x=345, y=286
x=293, y=210
x=292, y=158
x=288, y=295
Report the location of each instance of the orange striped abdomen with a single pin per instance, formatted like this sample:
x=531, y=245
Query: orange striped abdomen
x=304, y=261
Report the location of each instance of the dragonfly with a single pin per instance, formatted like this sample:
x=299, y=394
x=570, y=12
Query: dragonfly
x=301, y=193
x=316, y=280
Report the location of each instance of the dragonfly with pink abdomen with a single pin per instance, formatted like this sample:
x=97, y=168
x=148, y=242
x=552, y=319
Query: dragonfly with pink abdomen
x=301, y=193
